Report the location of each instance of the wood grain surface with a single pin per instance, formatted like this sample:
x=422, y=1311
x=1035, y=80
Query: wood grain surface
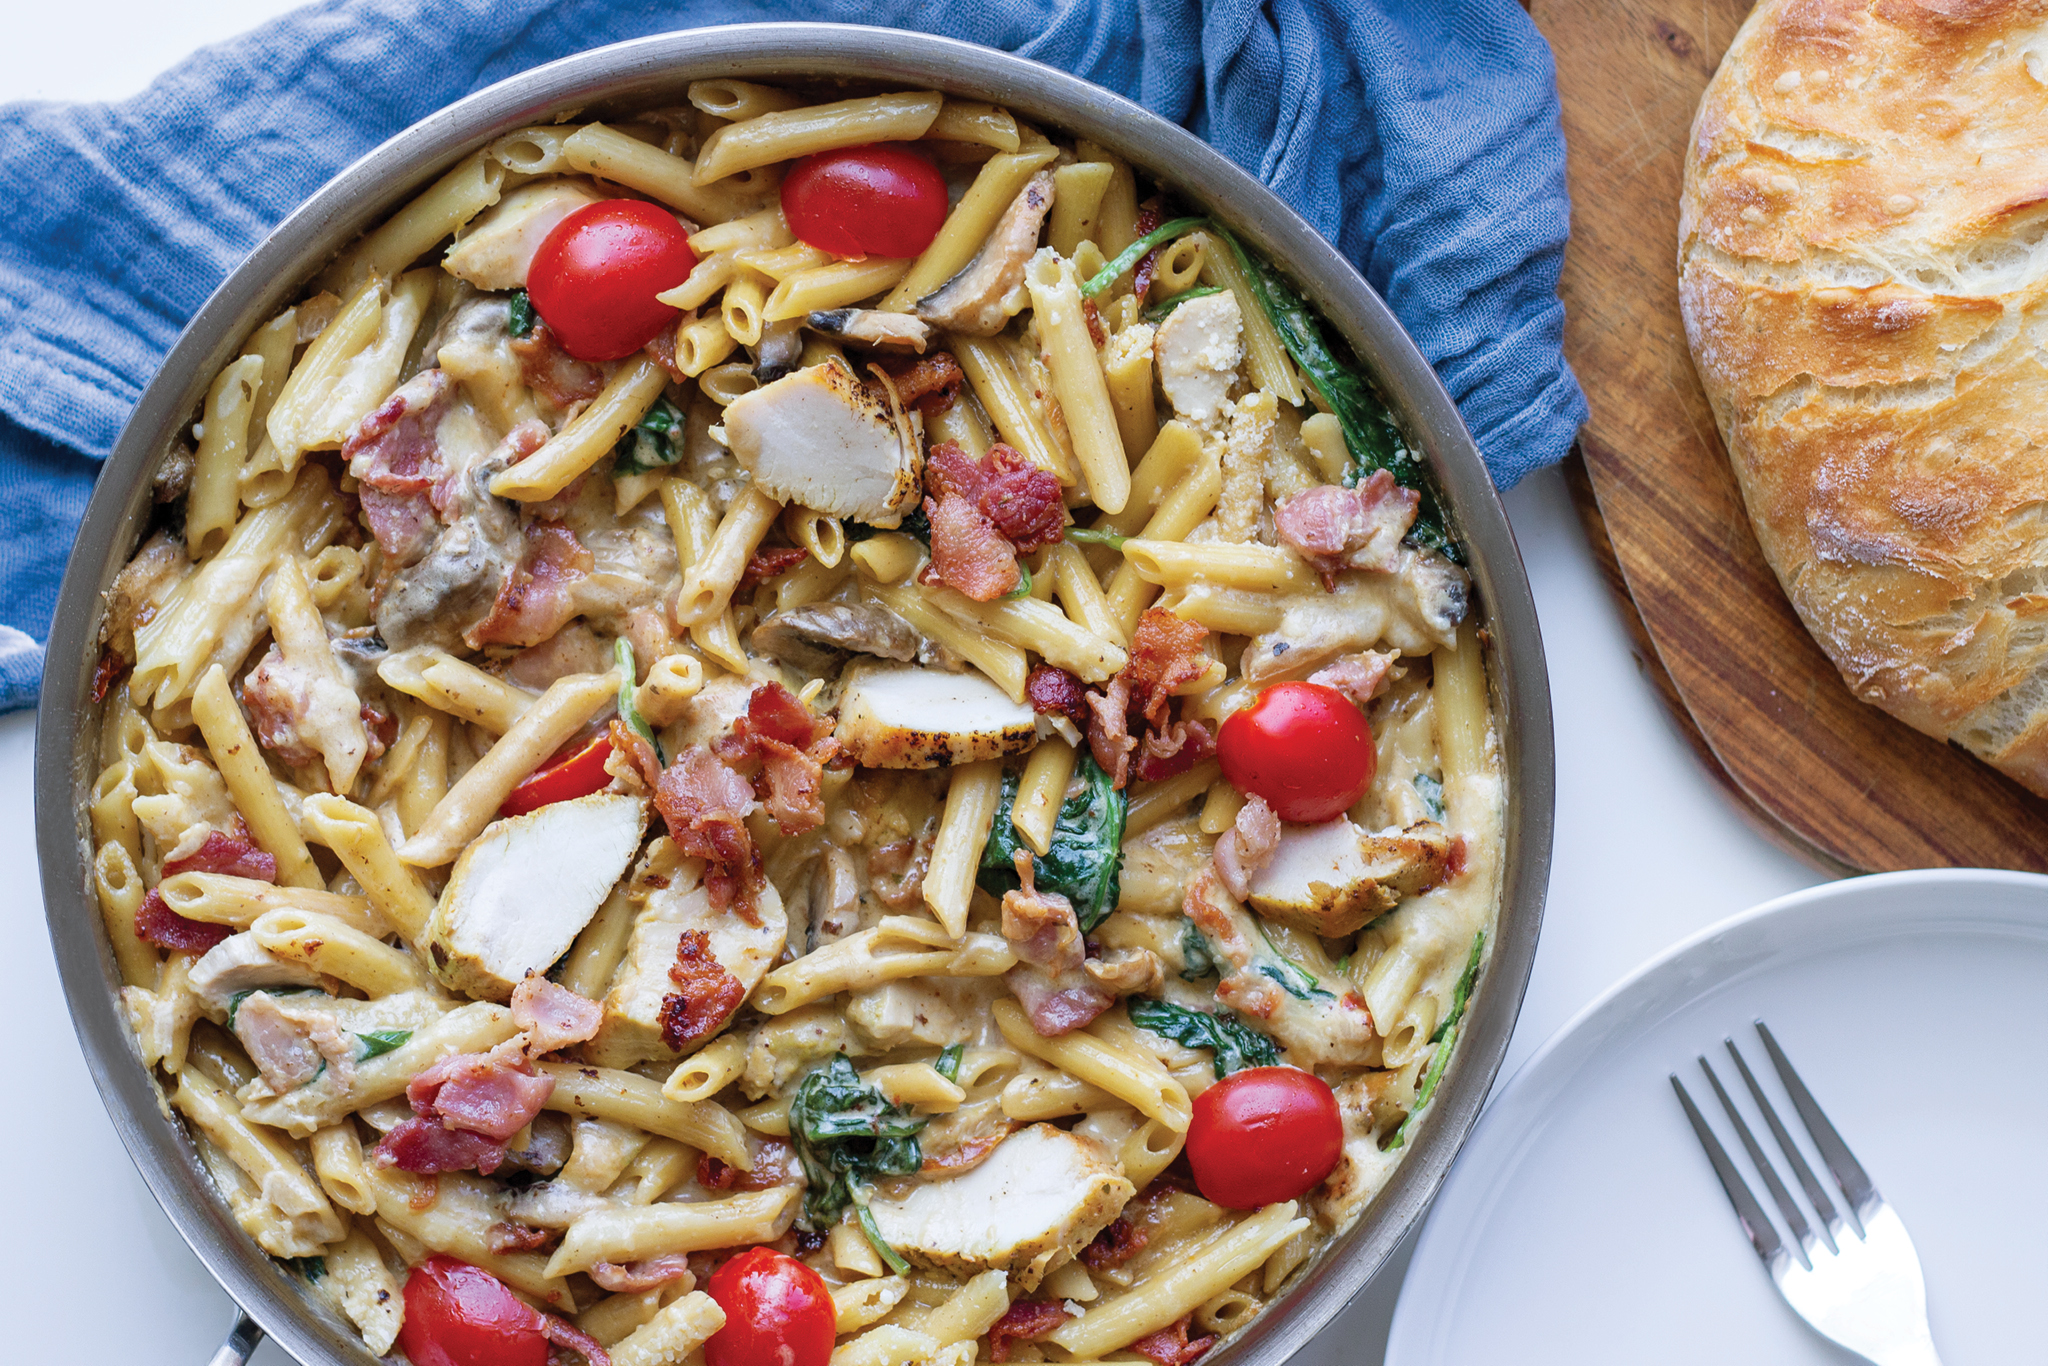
x=1844, y=784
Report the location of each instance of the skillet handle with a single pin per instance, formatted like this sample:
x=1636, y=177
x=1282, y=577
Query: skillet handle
x=241, y=1342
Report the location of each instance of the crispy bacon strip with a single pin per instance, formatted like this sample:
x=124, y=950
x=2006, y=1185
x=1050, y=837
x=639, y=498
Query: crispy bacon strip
x=635, y=1277
x=1173, y=749
x=1244, y=848
x=1149, y=218
x=1115, y=1245
x=396, y=459
x=552, y=1016
x=706, y=993
x=1024, y=1321
x=968, y=1155
x=495, y=1094
x=1109, y=729
x=425, y=1147
x=791, y=747
x=534, y=602
x=968, y=553
x=985, y=513
x=1356, y=528
x=706, y=805
x=1165, y=653
x=771, y=1169
x=156, y=923
x=503, y=1237
x=563, y=1333
x=1055, y=692
x=1049, y=980
x=1360, y=677
x=771, y=562
x=935, y=376
x=233, y=854
x=553, y=372
x=1172, y=1346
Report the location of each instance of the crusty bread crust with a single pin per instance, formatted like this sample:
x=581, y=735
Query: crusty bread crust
x=1863, y=272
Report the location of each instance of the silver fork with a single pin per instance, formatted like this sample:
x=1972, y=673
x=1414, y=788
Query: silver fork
x=1857, y=1283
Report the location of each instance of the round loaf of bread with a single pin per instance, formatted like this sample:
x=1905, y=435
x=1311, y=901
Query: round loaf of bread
x=1863, y=271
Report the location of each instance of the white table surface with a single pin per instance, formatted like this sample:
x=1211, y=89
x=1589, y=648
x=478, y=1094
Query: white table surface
x=1647, y=851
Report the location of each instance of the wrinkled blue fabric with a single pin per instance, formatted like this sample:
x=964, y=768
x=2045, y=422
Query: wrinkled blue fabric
x=1421, y=136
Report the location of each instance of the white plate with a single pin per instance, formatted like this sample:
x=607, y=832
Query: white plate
x=1582, y=1223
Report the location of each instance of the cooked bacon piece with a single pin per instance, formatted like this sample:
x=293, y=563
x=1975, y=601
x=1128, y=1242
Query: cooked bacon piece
x=968, y=1155
x=635, y=1277
x=156, y=923
x=1173, y=750
x=1127, y=971
x=109, y=670
x=552, y=1016
x=277, y=699
x=381, y=727
x=1041, y=926
x=503, y=1237
x=1109, y=728
x=792, y=747
x=1171, y=1346
x=534, y=602
x=635, y=753
x=1115, y=1245
x=424, y=1146
x=1092, y=315
x=1149, y=219
x=1357, y=528
x=771, y=562
x=495, y=1094
x=771, y=1169
x=968, y=553
x=705, y=804
x=1049, y=980
x=1245, y=847
x=563, y=1333
x=553, y=372
x=394, y=455
x=1165, y=653
x=896, y=871
x=1024, y=1321
x=935, y=376
x=706, y=993
x=663, y=350
x=1055, y=692
x=1360, y=677
x=233, y=854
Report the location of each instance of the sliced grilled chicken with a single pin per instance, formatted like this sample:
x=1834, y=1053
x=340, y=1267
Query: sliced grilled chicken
x=1039, y=1198
x=871, y=327
x=989, y=290
x=528, y=885
x=1199, y=349
x=821, y=438
x=672, y=900
x=902, y=716
x=238, y=964
x=498, y=249
x=1334, y=877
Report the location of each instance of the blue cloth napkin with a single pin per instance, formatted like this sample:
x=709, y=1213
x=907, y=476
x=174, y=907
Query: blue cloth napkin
x=1421, y=136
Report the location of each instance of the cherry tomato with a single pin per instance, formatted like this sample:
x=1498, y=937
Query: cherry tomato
x=777, y=1312
x=579, y=775
x=460, y=1315
x=594, y=278
x=1264, y=1134
x=878, y=200
x=1303, y=747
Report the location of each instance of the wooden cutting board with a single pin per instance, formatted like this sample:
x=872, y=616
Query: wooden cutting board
x=1836, y=780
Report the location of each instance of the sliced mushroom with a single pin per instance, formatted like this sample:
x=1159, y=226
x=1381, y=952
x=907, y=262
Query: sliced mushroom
x=871, y=327
x=777, y=353
x=978, y=302
x=818, y=637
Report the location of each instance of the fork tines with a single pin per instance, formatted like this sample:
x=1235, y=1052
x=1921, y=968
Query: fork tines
x=1835, y=1274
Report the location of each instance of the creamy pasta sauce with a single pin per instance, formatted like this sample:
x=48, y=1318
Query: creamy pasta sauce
x=582, y=802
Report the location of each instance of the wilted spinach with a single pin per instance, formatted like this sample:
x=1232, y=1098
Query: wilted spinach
x=1235, y=1044
x=1086, y=857
x=847, y=1133
x=655, y=443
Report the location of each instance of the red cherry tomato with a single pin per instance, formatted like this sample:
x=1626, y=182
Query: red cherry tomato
x=777, y=1312
x=594, y=278
x=579, y=775
x=878, y=200
x=1264, y=1134
x=1303, y=747
x=460, y=1315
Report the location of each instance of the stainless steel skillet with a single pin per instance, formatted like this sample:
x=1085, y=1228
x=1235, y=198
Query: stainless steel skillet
x=642, y=74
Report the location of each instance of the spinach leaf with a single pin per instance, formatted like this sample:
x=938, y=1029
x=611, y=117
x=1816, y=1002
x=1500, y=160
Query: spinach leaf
x=1135, y=252
x=948, y=1065
x=654, y=444
x=1197, y=959
x=378, y=1042
x=915, y=523
x=847, y=1132
x=1161, y=309
x=1370, y=432
x=520, y=316
x=1445, y=1039
x=629, y=711
x=1087, y=852
x=1432, y=790
x=1236, y=1045
x=1292, y=977
x=880, y=1244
